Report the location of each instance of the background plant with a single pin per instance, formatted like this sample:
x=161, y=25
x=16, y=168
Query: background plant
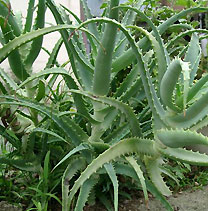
x=91, y=132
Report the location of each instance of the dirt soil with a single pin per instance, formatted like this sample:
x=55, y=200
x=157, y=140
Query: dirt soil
x=184, y=201
x=189, y=200
x=4, y=206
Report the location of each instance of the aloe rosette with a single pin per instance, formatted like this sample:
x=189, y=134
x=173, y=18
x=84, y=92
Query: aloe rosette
x=129, y=128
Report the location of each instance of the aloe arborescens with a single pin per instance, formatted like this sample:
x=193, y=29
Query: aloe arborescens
x=107, y=134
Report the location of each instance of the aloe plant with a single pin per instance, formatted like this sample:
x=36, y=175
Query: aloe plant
x=152, y=115
x=21, y=59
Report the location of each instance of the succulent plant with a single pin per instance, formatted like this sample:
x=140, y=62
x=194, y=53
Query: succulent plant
x=109, y=134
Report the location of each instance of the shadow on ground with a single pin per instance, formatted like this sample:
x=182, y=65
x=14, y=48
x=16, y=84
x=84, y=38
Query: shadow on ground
x=185, y=201
x=189, y=200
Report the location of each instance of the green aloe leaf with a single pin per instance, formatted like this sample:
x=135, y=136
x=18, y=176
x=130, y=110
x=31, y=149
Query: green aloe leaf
x=72, y=152
x=41, y=91
x=25, y=38
x=72, y=130
x=134, y=123
x=140, y=175
x=153, y=100
x=42, y=130
x=9, y=82
x=161, y=52
x=29, y=17
x=124, y=147
x=12, y=139
x=181, y=138
x=185, y=156
x=73, y=167
x=14, y=57
x=23, y=164
x=194, y=90
x=85, y=191
x=192, y=114
x=128, y=171
x=168, y=84
x=154, y=171
x=128, y=57
x=37, y=43
x=112, y=174
x=193, y=55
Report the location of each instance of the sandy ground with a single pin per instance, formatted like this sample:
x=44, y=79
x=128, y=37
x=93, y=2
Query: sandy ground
x=185, y=201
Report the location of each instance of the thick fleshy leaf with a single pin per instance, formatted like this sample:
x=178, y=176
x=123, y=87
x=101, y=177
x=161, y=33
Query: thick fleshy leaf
x=181, y=138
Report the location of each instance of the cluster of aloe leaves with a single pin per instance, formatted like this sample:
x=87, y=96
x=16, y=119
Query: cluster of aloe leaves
x=90, y=128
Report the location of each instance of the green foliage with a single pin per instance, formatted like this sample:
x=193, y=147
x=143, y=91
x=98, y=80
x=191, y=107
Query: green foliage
x=190, y=3
x=187, y=176
x=93, y=126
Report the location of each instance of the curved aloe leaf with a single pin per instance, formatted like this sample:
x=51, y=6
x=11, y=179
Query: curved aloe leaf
x=103, y=61
x=168, y=83
x=124, y=147
x=73, y=167
x=23, y=164
x=14, y=58
x=181, y=138
x=155, y=172
x=134, y=123
x=58, y=70
x=185, y=156
x=112, y=174
x=42, y=130
x=85, y=191
x=183, y=34
x=10, y=138
x=123, y=169
x=192, y=114
x=37, y=43
x=161, y=52
x=128, y=57
x=164, y=26
x=72, y=152
x=25, y=38
x=140, y=175
x=29, y=17
x=193, y=55
x=72, y=130
x=9, y=81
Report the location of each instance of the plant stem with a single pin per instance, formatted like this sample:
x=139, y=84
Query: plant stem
x=101, y=81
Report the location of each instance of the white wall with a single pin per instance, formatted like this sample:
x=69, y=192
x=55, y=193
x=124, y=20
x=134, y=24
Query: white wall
x=74, y=5
x=50, y=39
